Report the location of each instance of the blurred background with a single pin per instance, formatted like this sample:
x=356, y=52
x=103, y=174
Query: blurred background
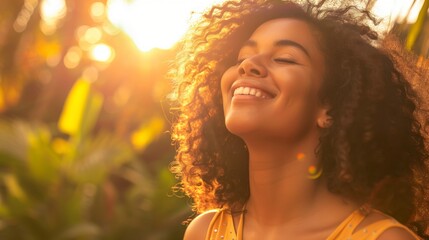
x=84, y=127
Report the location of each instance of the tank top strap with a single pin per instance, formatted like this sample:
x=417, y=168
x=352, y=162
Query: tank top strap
x=213, y=224
x=222, y=226
x=240, y=223
x=347, y=227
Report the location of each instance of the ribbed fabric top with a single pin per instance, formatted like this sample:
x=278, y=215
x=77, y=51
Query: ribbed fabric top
x=222, y=227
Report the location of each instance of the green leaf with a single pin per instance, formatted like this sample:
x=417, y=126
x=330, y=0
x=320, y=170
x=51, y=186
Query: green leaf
x=75, y=107
x=43, y=163
x=94, y=105
x=147, y=132
x=14, y=140
x=416, y=28
x=97, y=158
x=14, y=188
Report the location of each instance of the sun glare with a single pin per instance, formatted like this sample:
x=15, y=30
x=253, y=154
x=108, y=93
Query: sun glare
x=155, y=23
x=51, y=11
x=397, y=10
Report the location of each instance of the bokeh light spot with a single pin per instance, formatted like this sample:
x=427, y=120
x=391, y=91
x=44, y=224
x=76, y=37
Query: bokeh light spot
x=24, y=15
x=97, y=11
x=102, y=53
x=72, y=57
x=52, y=10
x=93, y=35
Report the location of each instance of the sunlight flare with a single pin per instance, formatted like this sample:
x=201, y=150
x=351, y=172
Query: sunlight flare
x=155, y=23
x=397, y=10
x=51, y=12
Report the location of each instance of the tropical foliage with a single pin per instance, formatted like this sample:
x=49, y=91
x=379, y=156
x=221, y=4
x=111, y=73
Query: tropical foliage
x=62, y=182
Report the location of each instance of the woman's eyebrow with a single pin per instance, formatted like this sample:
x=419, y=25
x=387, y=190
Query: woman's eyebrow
x=287, y=42
x=280, y=43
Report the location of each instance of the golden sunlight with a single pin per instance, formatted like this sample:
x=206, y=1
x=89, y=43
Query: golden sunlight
x=51, y=11
x=155, y=23
x=397, y=10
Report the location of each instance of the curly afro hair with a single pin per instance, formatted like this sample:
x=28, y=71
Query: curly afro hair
x=376, y=150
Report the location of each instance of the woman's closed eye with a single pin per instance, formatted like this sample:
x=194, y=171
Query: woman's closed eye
x=279, y=60
x=285, y=60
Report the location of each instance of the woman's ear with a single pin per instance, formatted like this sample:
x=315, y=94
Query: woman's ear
x=323, y=119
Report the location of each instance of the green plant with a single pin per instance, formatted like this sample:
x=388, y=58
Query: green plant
x=69, y=183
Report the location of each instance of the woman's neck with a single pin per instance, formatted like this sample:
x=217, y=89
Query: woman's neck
x=285, y=188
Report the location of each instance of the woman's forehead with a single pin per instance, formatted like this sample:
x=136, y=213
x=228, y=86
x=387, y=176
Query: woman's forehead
x=285, y=28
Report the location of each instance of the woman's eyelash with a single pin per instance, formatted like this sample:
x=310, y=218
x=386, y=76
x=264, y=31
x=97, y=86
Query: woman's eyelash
x=284, y=60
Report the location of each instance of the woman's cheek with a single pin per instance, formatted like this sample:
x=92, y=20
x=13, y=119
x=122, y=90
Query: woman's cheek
x=297, y=82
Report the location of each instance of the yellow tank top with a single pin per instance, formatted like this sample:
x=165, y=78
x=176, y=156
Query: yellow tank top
x=222, y=227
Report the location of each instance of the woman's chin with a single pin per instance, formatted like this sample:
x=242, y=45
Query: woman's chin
x=241, y=128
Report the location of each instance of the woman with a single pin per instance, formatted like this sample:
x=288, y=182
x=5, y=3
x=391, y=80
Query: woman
x=299, y=122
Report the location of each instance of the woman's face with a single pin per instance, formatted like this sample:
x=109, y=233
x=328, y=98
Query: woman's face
x=272, y=90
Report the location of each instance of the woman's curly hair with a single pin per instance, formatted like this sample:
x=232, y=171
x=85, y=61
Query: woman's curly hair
x=376, y=150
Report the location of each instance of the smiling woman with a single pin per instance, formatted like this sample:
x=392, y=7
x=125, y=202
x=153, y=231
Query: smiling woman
x=298, y=120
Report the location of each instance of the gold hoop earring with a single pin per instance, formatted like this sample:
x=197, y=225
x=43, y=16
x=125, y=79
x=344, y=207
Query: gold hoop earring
x=314, y=173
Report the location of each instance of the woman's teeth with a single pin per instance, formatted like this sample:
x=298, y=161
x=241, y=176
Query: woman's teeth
x=250, y=91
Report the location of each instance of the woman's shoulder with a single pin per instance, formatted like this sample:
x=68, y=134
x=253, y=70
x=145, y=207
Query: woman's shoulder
x=384, y=227
x=199, y=226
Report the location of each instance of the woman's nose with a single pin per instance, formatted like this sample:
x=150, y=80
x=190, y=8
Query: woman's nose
x=251, y=67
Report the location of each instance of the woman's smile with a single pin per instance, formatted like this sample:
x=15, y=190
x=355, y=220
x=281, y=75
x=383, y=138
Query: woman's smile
x=252, y=92
x=252, y=89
